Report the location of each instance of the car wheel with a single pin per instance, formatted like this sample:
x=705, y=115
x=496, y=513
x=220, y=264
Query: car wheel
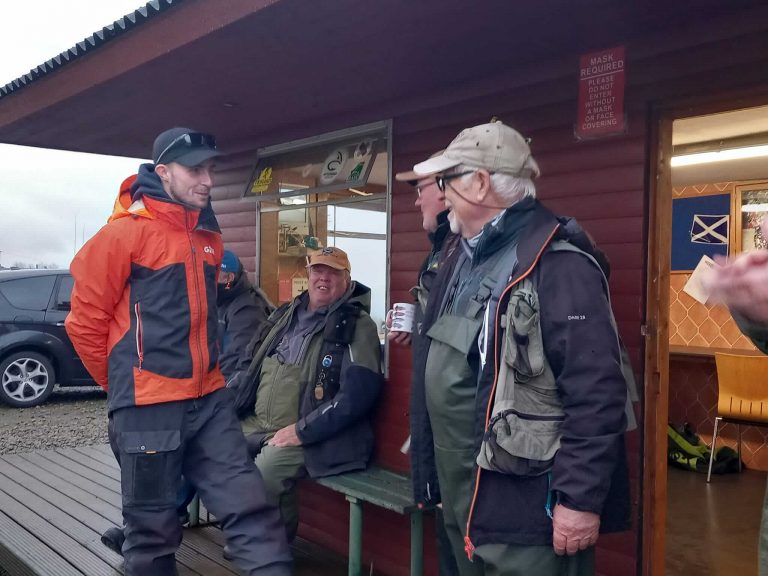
x=26, y=379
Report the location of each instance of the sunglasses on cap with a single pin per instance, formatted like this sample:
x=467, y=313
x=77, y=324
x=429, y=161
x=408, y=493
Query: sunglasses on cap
x=189, y=141
x=442, y=180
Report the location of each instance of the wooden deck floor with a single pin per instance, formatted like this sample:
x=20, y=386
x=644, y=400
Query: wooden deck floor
x=55, y=504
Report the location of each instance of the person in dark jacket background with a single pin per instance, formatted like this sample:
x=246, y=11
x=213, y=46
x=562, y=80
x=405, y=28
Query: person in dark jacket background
x=243, y=317
x=524, y=379
x=426, y=489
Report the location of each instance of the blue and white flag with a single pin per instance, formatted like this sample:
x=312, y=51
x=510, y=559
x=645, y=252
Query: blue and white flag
x=710, y=229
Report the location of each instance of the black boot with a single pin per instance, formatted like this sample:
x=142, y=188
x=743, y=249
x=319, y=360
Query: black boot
x=113, y=539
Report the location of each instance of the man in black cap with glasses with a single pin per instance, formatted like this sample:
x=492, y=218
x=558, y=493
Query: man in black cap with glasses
x=144, y=323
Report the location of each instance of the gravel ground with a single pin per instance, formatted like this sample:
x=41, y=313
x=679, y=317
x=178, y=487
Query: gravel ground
x=75, y=416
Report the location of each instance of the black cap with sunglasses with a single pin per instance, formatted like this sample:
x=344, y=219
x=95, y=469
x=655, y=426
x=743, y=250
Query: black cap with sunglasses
x=184, y=146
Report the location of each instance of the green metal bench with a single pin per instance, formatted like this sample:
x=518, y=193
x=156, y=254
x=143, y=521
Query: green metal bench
x=381, y=488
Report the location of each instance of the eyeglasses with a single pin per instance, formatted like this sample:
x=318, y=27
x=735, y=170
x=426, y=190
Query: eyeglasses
x=442, y=180
x=420, y=189
x=191, y=141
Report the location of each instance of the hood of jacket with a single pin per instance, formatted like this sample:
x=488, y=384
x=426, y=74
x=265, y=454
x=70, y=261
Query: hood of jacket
x=240, y=285
x=147, y=185
x=123, y=201
x=571, y=231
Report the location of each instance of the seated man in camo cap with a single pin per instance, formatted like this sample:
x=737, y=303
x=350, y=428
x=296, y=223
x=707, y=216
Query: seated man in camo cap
x=313, y=383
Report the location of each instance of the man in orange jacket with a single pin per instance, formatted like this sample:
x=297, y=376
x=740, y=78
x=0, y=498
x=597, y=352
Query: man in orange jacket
x=144, y=323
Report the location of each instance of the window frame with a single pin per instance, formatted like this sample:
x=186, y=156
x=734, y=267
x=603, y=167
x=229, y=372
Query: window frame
x=737, y=219
x=382, y=129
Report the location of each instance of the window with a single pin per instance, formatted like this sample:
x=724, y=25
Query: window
x=331, y=190
x=64, y=293
x=29, y=293
x=751, y=209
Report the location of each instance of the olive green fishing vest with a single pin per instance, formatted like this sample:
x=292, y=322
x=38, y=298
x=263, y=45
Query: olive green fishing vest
x=523, y=433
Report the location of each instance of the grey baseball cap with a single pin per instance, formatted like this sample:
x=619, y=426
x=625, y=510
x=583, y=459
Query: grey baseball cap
x=494, y=147
x=411, y=177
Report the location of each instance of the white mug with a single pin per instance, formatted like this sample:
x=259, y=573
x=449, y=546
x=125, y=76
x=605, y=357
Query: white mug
x=400, y=317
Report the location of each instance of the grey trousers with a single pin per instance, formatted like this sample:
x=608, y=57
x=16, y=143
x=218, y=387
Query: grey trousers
x=202, y=440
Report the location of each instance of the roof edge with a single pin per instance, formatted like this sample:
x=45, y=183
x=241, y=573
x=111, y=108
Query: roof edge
x=108, y=33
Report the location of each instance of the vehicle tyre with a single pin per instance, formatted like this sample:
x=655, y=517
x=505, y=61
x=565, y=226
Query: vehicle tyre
x=26, y=379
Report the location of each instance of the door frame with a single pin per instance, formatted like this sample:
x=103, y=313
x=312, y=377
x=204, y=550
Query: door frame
x=656, y=325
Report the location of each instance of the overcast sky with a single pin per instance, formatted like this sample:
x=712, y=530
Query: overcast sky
x=52, y=200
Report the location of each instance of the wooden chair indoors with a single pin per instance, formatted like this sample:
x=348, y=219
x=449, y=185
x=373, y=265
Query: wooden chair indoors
x=742, y=396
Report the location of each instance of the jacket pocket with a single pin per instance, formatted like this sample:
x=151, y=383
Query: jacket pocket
x=523, y=346
x=523, y=434
x=456, y=331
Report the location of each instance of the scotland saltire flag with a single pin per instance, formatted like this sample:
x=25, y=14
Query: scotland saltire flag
x=709, y=229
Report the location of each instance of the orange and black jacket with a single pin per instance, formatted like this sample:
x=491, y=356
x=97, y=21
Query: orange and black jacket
x=143, y=316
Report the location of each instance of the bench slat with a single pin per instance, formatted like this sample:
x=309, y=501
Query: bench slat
x=381, y=487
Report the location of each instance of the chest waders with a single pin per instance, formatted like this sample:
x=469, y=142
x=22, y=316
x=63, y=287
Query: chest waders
x=451, y=390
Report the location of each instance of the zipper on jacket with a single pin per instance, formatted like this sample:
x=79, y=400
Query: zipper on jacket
x=469, y=548
x=533, y=417
x=199, y=310
x=270, y=401
x=139, y=334
x=548, y=505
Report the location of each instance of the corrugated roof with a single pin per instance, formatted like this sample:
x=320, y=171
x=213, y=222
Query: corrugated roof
x=114, y=30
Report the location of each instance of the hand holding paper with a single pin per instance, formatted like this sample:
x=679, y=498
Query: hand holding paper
x=698, y=285
x=742, y=285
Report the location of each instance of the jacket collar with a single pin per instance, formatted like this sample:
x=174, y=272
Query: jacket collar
x=540, y=231
x=441, y=232
x=504, y=230
x=151, y=201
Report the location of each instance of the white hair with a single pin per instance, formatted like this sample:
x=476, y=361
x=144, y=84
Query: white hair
x=511, y=189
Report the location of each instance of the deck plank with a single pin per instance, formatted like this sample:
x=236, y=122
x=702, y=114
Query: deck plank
x=78, y=556
x=90, y=462
x=100, y=518
x=75, y=492
x=55, y=504
x=95, y=453
x=81, y=470
x=23, y=554
x=110, y=495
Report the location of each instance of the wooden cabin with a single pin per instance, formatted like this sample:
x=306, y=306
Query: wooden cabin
x=290, y=86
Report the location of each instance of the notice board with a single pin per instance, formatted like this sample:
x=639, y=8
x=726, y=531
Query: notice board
x=601, y=94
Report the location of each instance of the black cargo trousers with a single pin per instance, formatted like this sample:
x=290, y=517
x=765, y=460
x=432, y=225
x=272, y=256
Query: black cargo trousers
x=202, y=440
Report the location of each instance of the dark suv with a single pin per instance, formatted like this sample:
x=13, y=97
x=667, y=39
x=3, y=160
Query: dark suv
x=35, y=351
